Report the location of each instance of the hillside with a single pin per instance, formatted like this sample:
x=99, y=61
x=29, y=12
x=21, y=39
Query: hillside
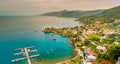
x=75, y=14
x=109, y=14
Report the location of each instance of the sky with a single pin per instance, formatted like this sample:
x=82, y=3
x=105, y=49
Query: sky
x=34, y=7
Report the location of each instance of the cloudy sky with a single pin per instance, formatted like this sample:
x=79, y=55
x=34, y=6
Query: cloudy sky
x=29, y=7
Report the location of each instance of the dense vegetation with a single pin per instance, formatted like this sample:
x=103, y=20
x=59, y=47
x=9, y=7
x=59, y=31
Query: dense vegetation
x=111, y=55
x=105, y=16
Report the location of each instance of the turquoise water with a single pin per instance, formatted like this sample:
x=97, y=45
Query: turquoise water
x=17, y=32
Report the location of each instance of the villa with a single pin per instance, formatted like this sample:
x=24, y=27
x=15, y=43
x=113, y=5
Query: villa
x=101, y=48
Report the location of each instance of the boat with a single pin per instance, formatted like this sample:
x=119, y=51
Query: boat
x=54, y=39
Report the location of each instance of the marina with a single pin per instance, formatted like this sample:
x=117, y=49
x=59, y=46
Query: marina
x=26, y=51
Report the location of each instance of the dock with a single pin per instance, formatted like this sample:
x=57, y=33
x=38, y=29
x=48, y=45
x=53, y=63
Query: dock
x=25, y=51
x=27, y=56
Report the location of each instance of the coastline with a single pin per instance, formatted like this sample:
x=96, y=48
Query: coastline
x=86, y=38
x=50, y=61
x=60, y=60
x=76, y=54
x=75, y=49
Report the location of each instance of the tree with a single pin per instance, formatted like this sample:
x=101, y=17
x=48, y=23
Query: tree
x=113, y=52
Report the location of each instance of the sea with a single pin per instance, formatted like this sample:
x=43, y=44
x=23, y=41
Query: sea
x=25, y=31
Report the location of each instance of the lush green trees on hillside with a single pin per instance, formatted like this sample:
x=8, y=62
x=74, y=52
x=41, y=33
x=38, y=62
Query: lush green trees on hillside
x=106, y=16
x=113, y=52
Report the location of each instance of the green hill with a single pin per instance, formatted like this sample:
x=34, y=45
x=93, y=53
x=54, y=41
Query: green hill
x=111, y=13
x=105, y=16
x=75, y=14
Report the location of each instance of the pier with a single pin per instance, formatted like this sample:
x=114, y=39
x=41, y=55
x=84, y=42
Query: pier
x=27, y=55
x=25, y=51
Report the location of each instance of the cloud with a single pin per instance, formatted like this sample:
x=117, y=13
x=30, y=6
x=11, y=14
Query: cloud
x=39, y=6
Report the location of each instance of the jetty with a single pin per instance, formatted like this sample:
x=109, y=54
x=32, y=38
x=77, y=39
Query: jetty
x=25, y=51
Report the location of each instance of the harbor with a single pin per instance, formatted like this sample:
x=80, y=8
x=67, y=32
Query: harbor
x=25, y=51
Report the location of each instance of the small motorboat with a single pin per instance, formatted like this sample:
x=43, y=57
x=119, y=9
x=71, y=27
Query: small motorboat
x=54, y=39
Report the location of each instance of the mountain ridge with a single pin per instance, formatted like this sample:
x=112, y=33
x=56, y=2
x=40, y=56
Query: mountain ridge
x=73, y=13
x=109, y=14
